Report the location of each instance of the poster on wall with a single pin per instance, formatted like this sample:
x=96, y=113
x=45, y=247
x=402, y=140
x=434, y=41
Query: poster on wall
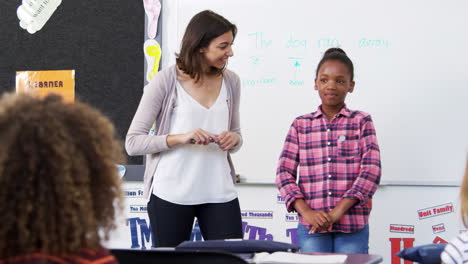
x=42, y=83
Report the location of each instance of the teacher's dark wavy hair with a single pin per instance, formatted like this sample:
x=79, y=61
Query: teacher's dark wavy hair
x=59, y=183
x=201, y=30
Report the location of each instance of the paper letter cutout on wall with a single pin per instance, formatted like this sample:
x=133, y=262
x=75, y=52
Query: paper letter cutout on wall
x=42, y=83
x=33, y=14
x=152, y=52
x=152, y=10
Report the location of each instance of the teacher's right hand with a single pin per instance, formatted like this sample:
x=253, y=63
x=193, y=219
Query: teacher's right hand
x=197, y=136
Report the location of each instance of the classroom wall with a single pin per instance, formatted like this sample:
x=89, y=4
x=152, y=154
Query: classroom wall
x=100, y=40
x=402, y=216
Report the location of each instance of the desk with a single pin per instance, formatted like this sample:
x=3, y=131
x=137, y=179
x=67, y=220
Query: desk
x=357, y=258
x=289, y=258
x=363, y=258
x=131, y=256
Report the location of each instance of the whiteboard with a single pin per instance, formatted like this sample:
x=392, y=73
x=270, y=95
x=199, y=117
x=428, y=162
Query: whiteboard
x=411, y=73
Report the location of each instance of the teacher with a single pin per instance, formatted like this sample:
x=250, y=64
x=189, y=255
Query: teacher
x=195, y=108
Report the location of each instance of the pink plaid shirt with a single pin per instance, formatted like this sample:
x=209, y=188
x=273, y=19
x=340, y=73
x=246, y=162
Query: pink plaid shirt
x=337, y=159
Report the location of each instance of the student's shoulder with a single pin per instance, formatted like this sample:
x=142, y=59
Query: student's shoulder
x=459, y=242
x=305, y=119
x=309, y=116
x=359, y=115
x=461, y=239
x=101, y=255
x=456, y=250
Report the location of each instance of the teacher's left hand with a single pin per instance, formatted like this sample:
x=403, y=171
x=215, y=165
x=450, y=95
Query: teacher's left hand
x=228, y=140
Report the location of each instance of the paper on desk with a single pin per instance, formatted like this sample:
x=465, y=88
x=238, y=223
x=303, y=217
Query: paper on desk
x=287, y=257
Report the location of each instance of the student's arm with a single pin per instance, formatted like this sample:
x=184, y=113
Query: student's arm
x=286, y=176
x=137, y=141
x=340, y=209
x=366, y=183
x=318, y=219
x=286, y=173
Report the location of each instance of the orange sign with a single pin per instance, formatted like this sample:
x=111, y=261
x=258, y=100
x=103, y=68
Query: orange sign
x=42, y=83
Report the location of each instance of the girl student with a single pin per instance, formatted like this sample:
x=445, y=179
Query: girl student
x=335, y=152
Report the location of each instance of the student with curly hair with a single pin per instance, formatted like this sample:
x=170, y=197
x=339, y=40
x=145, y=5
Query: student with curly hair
x=60, y=185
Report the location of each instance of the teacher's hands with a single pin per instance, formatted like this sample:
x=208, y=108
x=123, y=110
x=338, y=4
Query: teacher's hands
x=197, y=136
x=227, y=140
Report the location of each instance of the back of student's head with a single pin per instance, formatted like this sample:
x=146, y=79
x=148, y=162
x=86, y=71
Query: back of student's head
x=58, y=176
x=337, y=54
x=201, y=30
x=464, y=197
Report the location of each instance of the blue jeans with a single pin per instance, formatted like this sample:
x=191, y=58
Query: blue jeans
x=334, y=242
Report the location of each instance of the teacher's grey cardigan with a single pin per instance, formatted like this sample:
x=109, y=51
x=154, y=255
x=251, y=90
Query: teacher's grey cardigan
x=156, y=105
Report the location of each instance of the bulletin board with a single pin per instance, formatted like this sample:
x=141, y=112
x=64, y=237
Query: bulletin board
x=101, y=40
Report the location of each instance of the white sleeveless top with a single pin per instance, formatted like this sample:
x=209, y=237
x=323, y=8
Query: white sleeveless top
x=195, y=174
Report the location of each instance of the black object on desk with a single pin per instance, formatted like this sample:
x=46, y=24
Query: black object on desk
x=237, y=246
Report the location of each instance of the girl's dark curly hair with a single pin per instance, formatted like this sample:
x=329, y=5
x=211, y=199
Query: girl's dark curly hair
x=60, y=189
